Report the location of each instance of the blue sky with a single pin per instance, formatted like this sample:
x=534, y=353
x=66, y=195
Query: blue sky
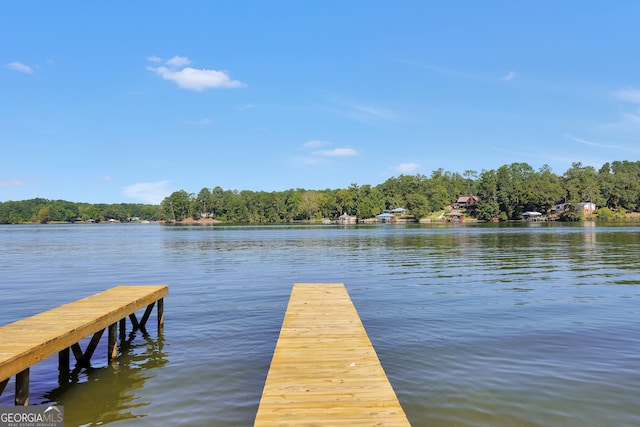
x=109, y=102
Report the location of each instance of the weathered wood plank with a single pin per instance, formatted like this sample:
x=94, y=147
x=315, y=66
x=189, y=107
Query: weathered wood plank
x=35, y=338
x=324, y=369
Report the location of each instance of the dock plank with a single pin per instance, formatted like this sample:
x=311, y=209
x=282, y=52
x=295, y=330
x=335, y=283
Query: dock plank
x=325, y=371
x=30, y=340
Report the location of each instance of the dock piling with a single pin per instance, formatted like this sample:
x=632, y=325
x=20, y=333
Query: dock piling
x=27, y=342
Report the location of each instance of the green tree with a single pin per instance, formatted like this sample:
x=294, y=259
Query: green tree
x=44, y=215
x=581, y=184
x=310, y=203
x=203, y=203
x=511, y=190
x=177, y=206
x=543, y=190
x=488, y=210
x=345, y=202
x=369, y=202
x=418, y=205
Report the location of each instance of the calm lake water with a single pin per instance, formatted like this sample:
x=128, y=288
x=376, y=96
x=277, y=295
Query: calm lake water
x=475, y=325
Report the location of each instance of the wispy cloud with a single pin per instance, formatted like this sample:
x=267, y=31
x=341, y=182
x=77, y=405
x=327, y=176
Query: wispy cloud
x=628, y=95
x=631, y=118
x=591, y=143
x=627, y=124
x=11, y=182
x=510, y=76
x=600, y=145
x=148, y=192
x=443, y=71
x=406, y=168
x=336, y=152
x=19, y=66
x=314, y=155
x=457, y=74
x=367, y=114
x=200, y=122
x=176, y=70
x=178, y=62
x=316, y=143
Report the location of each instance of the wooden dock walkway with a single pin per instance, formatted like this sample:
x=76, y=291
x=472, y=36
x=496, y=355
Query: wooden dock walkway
x=28, y=341
x=324, y=370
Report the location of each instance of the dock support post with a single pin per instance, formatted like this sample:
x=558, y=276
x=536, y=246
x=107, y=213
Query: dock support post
x=92, y=347
x=160, y=315
x=84, y=359
x=146, y=315
x=112, y=348
x=22, y=388
x=63, y=366
x=134, y=322
x=3, y=384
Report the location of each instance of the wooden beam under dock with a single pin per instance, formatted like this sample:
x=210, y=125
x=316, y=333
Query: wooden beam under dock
x=33, y=339
x=325, y=371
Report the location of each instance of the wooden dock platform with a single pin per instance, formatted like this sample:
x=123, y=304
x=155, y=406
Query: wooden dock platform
x=28, y=341
x=325, y=371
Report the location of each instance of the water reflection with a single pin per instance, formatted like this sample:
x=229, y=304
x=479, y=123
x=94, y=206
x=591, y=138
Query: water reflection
x=97, y=396
x=475, y=325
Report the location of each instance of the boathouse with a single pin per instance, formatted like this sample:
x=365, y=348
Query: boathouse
x=532, y=216
x=386, y=218
x=347, y=219
x=454, y=216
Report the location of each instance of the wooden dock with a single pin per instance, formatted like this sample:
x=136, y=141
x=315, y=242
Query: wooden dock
x=28, y=341
x=324, y=370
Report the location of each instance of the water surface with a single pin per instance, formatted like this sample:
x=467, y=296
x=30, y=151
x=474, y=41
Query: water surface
x=475, y=325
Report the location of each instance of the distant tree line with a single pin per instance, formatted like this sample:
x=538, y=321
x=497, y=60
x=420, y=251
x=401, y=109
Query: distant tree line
x=504, y=193
x=45, y=211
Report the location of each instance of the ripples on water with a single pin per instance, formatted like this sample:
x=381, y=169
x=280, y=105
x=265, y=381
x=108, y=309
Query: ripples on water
x=477, y=325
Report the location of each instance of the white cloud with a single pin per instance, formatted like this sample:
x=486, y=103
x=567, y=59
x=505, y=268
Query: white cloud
x=406, y=168
x=510, y=76
x=368, y=113
x=628, y=95
x=178, y=62
x=192, y=78
x=336, y=152
x=316, y=156
x=443, y=71
x=362, y=113
x=628, y=149
x=593, y=144
x=633, y=118
x=316, y=143
x=19, y=66
x=153, y=58
x=148, y=192
x=11, y=182
x=201, y=122
x=107, y=178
